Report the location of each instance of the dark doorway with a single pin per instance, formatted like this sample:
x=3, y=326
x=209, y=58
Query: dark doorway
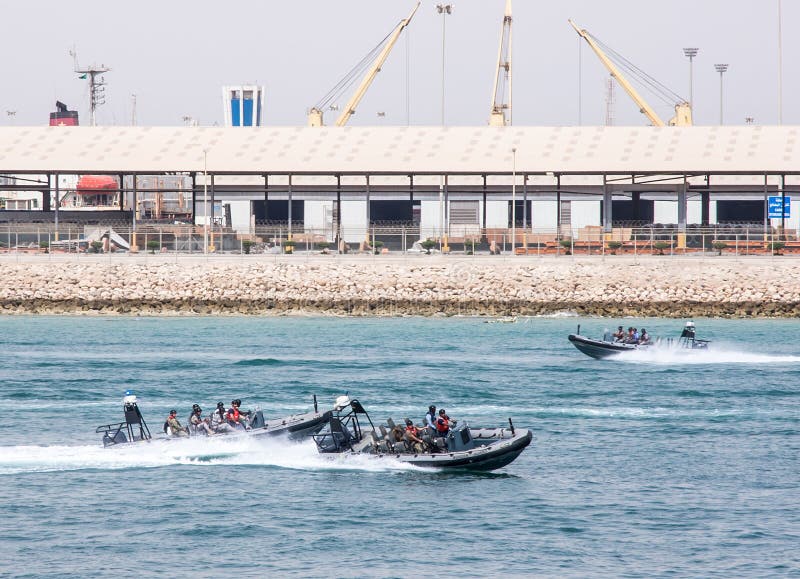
x=628, y=212
x=740, y=211
x=391, y=212
x=521, y=215
x=278, y=211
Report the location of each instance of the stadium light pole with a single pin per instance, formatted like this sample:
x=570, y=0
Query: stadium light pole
x=444, y=10
x=721, y=69
x=691, y=53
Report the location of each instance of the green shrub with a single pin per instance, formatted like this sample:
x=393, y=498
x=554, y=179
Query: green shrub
x=567, y=245
x=428, y=244
x=776, y=246
x=247, y=245
x=95, y=247
x=613, y=246
x=719, y=246
x=152, y=245
x=660, y=246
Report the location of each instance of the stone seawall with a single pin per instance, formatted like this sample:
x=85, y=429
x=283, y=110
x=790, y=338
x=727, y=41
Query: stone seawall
x=619, y=286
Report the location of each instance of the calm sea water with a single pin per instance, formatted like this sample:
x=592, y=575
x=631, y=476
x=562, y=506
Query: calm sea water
x=654, y=466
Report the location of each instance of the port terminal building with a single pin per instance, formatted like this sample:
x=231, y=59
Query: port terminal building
x=339, y=182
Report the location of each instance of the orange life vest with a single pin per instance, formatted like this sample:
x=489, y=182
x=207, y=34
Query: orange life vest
x=233, y=414
x=443, y=423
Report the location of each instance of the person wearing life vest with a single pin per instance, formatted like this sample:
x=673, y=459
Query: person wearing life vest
x=412, y=436
x=172, y=425
x=219, y=421
x=235, y=417
x=430, y=420
x=442, y=424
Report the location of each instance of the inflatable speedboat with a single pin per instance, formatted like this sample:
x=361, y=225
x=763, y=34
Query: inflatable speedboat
x=134, y=429
x=468, y=448
x=607, y=347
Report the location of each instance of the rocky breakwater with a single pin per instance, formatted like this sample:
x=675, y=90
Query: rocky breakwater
x=419, y=286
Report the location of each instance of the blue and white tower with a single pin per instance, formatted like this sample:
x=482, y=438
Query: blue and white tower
x=243, y=105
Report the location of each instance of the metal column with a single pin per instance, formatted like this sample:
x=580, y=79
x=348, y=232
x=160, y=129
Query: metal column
x=607, y=217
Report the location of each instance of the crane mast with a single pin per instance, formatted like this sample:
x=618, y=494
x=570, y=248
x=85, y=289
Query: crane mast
x=315, y=114
x=497, y=115
x=644, y=108
x=683, y=110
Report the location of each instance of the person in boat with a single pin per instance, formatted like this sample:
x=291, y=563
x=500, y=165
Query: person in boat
x=398, y=436
x=629, y=338
x=430, y=420
x=172, y=425
x=619, y=335
x=442, y=424
x=218, y=419
x=237, y=418
x=644, y=337
x=412, y=436
x=198, y=424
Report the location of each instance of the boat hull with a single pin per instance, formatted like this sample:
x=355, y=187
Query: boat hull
x=600, y=349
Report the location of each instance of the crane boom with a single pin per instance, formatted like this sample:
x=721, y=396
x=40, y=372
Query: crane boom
x=373, y=71
x=497, y=114
x=645, y=108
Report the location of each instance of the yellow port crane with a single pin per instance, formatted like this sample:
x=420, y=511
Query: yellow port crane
x=501, y=99
x=383, y=49
x=683, y=110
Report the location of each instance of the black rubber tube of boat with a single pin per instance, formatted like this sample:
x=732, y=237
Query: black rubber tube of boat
x=511, y=424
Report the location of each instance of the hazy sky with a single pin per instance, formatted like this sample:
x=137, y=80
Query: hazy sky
x=176, y=54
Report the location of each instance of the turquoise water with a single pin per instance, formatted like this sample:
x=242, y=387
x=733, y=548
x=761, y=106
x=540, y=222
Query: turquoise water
x=652, y=466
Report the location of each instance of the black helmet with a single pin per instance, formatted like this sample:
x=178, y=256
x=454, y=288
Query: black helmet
x=195, y=406
x=173, y=411
x=432, y=408
x=408, y=422
x=198, y=409
x=236, y=402
x=442, y=411
x=220, y=405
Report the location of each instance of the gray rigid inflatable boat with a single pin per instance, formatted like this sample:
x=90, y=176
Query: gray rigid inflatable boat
x=482, y=449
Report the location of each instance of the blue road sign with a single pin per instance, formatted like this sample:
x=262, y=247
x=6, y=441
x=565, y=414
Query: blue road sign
x=774, y=204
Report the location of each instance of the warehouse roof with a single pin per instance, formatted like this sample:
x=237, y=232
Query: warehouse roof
x=402, y=150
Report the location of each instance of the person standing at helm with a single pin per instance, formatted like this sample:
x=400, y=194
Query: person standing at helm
x=430, y=419
x=219, y=422
x=237, y=418
x=443, y=423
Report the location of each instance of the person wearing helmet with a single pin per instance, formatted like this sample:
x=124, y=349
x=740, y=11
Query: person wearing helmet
x=173, y=427
x=430, y=420
x=218, y=420
x=442, y=424
x=198, y=424
x=237, y=418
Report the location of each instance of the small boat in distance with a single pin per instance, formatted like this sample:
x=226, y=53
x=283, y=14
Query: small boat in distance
x=134, y=429
x=463, y=448
x=608, y=347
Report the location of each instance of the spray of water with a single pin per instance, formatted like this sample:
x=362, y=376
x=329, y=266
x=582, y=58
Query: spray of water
x=716, y=354
x=200, y=452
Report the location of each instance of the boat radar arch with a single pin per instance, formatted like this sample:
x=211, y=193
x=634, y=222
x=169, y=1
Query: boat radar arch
x=342, y=402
